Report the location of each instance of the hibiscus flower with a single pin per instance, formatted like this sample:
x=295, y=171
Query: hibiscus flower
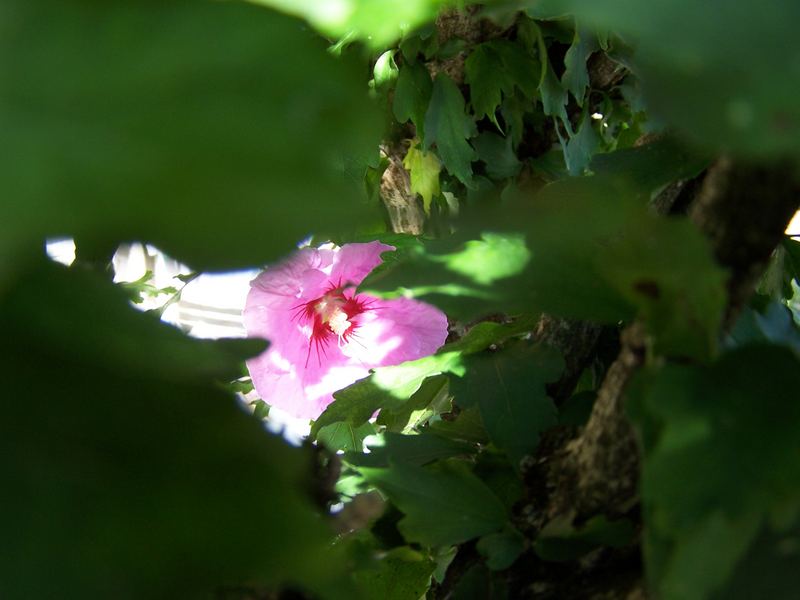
x=323, y=335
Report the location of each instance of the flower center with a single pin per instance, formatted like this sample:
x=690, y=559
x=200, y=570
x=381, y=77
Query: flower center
x=331, y=311
x=333, y=314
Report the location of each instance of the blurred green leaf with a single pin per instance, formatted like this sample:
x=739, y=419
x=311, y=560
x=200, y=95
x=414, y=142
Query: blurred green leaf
x=478, y=584
x=577, y=409
x=501, y=549
x=95, y=323
x=561, y=542
x=403, y=574
x=261, y=410
x=449, y=127
x=724, y=72
x=492, y=257
x=385, y=70
x=424, y=169
x=173, y=122
x=768, y=570
x=666, y=269
x=444, y=503
x=703, y=514
x=498, y=155
x=650, y=166
x=774, y=323
x=140, y=478
x=596, y=252
x=376, y=23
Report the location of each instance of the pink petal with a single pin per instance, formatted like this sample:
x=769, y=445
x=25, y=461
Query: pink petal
x=304, y=274
x=353, y=262
x=394, y=331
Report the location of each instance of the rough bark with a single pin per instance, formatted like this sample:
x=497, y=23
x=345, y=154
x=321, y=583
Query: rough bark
x=403, y=207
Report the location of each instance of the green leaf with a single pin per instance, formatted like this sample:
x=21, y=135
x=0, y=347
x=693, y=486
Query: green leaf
x=523, y=69
x=449, y=127
x=444, y=503
x=478, y=584
x=498, y=155
x=666, y=269
x=385, y=70
x=387, y=387
x=501, y=549
x=378, y=24
x=80, y=330
x=261, y=410
x=402, y=574
x=774, y=323
x=650, y=166
x=509, y=388
x=414, y=449
x=467, y=426
x=412, y=94
x=581, y=147
x=432, y=398
x=140, y=480
x=576, y=77
x=174, y=123
x=424, y=169
x=768, y=569
x=401, y=390
x=488, y=333
x=710, y=475
x=488, y=80
x=394, y=389
x=560, y=542
x=553, y=94
x=343, y=436
x=492, y=257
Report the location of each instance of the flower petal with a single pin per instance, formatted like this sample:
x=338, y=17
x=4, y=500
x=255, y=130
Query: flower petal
x=394, y=331
x=353, y=262
x=304, y=274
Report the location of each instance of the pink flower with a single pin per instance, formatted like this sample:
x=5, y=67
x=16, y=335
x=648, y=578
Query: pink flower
x=323, y=335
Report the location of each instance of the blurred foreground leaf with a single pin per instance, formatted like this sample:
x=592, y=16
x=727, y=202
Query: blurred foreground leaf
x=703, y=514
x=127, y=471
x=592, y=250
x=727, y=73
x=190, y=124
x=403, y=574
x=375, y=22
